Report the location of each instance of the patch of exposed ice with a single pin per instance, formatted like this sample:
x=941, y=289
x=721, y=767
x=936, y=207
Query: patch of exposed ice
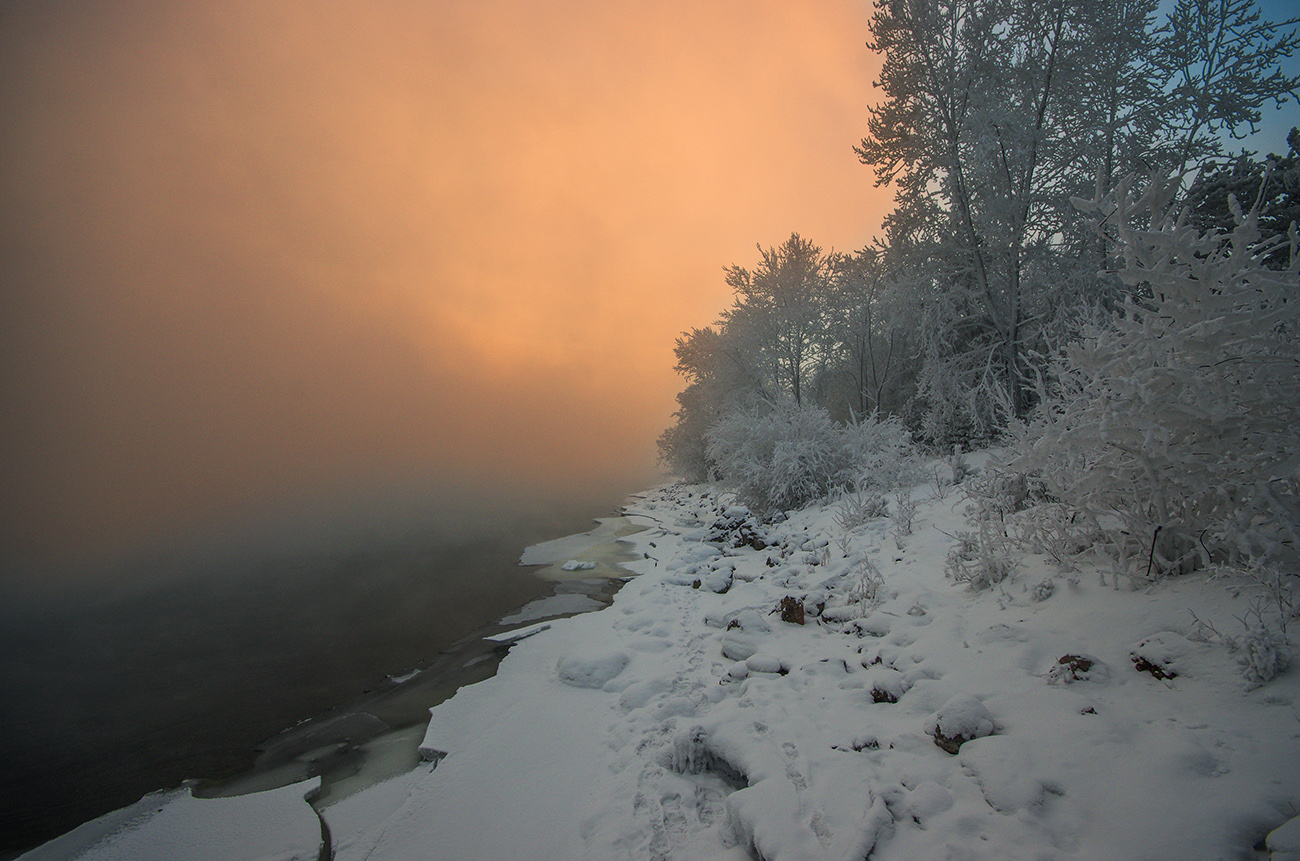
x=551, y=605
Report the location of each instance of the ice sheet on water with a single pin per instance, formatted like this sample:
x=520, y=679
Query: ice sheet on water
x=552, y=605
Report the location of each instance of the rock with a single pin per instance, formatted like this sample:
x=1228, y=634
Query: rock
x=961, y=719
x=1077, y=668
x=719, y=581
x=765, y=664
x=791, y=609
x=841, y=614
x=1161, y=654
x=1284, y=841
x=738, y=647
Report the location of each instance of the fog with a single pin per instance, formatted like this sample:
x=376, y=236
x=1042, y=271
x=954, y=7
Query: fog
x=274, y=271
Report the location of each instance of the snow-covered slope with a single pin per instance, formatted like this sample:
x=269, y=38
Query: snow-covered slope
x=691, y=720
x=806, y=691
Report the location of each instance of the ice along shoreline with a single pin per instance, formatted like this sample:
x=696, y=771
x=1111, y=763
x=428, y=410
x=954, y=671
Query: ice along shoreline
x=373, y=737
x=377, y=736
x=804, y=690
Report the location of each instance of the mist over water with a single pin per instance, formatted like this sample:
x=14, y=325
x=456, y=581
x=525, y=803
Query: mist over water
x=315, y=313
x=260, y=253
x=182, y=669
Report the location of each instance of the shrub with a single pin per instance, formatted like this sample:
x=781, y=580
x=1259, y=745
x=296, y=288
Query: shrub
x=786, y=456
x=857, y=507
x=981, y=558
x=1264, y=654
x=1173, y=429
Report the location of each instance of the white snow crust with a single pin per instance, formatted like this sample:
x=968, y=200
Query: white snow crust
x=688, y=720
x=730, y=734
x=277, y=825
x=567, y=548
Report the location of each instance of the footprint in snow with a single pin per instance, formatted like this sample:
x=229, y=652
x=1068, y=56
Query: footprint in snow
x=710, y=805
x=824, y=834
x=796, y=777
x=674, y=817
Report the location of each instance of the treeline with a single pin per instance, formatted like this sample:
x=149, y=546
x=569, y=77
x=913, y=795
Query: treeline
x=1008, y=129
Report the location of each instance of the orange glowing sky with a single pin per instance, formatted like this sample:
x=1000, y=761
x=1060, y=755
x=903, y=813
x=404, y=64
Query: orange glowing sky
x=259, y=252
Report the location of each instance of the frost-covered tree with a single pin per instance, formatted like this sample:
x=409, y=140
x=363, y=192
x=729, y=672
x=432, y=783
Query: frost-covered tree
x=1271, y=185
x=1221, y=63
x=994, y=114
x=1174, y=428
x=718, y=367
x=974, y=133
x=1119, y=126
x=869, y=322
x=781, y=308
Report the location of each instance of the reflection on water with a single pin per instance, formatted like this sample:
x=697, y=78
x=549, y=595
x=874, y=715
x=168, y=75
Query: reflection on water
x=111, y=697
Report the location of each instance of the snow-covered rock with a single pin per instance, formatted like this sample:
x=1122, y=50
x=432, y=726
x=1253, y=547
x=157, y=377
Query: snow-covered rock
x=961, y=719
x=1283, y=842
x=591, y=668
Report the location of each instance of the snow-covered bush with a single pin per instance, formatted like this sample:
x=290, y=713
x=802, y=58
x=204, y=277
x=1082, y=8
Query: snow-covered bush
x=867, y=581
x=1012, y=513
x=1264, y=654
x=904, y=514
x=981, y=558
x=785, y=456
x=1264, y=649
x=881, y=454
x=961, y=468
x=1174, y=429
x=777, y=457
x=857, y=507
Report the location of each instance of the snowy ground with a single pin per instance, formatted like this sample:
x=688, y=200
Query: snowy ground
x=905, y=717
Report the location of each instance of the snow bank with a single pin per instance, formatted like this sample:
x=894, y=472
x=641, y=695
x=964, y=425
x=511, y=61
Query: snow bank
x=798, y=714
x=687, y=722
x=277, y=825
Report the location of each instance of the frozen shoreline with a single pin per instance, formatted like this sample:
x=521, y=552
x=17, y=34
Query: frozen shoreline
x=376, y=737
x=699, y=717
x=380, y=733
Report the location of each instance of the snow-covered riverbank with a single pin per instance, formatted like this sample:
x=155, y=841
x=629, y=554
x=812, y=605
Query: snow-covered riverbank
x=804, y=691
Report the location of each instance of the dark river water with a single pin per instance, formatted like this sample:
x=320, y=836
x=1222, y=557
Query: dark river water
x=108, y=694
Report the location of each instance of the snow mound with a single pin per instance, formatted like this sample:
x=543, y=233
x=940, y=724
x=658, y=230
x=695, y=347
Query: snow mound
x=1284, y=841
x=1163, y=655
x=961, y=719
x=591, y=669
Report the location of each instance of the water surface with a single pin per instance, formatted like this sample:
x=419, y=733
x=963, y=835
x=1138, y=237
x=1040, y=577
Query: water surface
x=113, y=693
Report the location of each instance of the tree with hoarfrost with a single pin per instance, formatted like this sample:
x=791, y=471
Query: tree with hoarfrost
x=720, y=374
x=971, y=132
x=781, y=305
x=997, y=112
x=1221, y=62
x=768, y=347
x=869, y=319
x=1174, y=427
